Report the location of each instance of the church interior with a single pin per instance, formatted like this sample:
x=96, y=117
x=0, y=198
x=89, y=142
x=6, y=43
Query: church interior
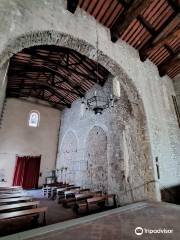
x=89, y=119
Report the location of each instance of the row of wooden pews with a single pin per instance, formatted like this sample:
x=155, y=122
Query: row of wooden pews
x=79, y=198
x=15, y=204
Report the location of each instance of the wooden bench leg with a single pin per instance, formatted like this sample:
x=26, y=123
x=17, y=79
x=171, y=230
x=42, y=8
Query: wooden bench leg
x=114, y=201
x=35, y=220
x=87, y=207
x=44, y=218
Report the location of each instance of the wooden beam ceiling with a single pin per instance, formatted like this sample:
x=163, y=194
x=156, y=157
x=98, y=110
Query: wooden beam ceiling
x=149, y=43
x=173, y=61
x=150, y=26
x=131, y=11
x=54, y=74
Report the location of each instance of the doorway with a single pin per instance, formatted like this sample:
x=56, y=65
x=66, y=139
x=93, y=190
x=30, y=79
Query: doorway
x=27, y=171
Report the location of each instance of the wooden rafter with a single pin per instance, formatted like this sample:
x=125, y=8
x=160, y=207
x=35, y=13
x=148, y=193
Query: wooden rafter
x=45, y=69
x=132, y=11
x=150, y=26
x=54, y=74
x=91, y=77
x=41, y=86
x=149, y=44
x=163, y=68
x=58, y=105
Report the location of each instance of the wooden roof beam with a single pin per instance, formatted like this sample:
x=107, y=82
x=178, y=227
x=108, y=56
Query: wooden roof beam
x=175, y=4
x=35, y=54
x=131, y=12
x=26, y=95
x=42, y=85
x=125, y=3
x=163, y=41
x=47, y=69
x=163, y=67
x=72, y=5
x=149, y=44
x=55, y=87
x=57, y=94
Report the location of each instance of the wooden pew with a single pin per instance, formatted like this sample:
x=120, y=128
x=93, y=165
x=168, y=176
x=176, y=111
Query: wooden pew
x=14, y=200
x=83, y=196
x=61, y=192
x=76, y=198
x=100, y=200
x=13, y=195
x=50, y=190
x=10, y=192
x=94, y=200
x=35, y=212
x=12, y=188
x=84, y=190
x=81, y=201
x=18, y=206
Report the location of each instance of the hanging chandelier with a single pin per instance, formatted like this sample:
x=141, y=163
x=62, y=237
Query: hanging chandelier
x=98, y=101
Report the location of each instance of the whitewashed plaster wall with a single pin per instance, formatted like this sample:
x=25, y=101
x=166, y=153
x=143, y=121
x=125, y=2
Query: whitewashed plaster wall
x=16, y=137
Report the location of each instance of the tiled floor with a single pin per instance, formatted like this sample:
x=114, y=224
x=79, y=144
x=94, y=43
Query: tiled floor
x=117, y=224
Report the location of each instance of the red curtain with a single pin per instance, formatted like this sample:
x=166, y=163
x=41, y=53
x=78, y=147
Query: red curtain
x=27, y=171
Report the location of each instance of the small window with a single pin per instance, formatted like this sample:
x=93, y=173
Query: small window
x=34, y=118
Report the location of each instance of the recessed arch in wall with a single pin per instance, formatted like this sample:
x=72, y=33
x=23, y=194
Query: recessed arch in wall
x=96, y=158
x=68, y=158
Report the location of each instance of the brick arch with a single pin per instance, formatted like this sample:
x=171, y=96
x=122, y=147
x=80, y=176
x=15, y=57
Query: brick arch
x=52, y=37
x=96, y=157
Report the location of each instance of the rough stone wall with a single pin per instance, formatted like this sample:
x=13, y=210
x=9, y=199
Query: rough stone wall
x=68, y=158
x=166, y=137
x=96, y=173
x=112, y=152
x=28, y=23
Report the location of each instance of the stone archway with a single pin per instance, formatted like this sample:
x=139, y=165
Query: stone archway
x=76, y=36
x=96, y=157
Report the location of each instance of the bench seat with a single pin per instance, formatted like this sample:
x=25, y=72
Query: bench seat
x=18, y=206
x=23, y=213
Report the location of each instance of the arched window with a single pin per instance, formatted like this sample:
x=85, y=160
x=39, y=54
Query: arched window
x=34, y=119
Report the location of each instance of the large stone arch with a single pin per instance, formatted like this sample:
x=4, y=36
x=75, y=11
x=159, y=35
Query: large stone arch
x=72, y=33
x=62, y=39
x=51, y=37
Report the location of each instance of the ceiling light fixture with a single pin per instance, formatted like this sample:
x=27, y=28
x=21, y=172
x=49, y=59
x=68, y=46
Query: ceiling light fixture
x=99, y=101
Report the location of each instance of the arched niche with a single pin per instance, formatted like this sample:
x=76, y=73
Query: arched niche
x=96, y=157
x=68, y=157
